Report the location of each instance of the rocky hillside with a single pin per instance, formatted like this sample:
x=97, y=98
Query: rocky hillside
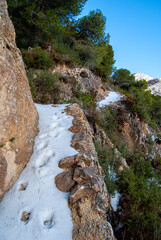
x=95, y=169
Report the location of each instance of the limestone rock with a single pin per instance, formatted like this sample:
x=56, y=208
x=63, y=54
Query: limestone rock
x=89, y=200
x=81, y=191
x=132, y=129
x=64, y=181
x=84, y=174
x=78, y=137
x=83, y=159
x=80, y=160
x=67, y=163
x=18, y=118
x=79, y=146
x=72, y=78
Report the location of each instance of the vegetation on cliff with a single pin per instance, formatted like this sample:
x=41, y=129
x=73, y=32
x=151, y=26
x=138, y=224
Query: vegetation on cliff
x=81, y=41
x=50, y=33
x=143, y=102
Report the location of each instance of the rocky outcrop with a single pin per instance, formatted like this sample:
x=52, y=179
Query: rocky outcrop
x=130, y=130
x=80, y=79
x=134, y=131
x=18, y=118
x=84, y=178
x=104, y=140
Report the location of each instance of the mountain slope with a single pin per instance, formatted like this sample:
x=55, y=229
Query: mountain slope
x=154, y=84
x=139, y=76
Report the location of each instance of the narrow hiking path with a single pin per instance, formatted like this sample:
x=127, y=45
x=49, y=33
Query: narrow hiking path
x=34, y=208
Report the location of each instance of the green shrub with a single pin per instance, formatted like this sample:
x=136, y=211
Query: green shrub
x=123, y=78
x=142, y=190
x=46, y=80
x=31, y=74
x=37, y=58
x=106, y=118
x=110, y=119
x=86, y=100
x=44, y=86
x=140, y=185
x=145, y=104
x=85, y=54
x=106, y=160
x=73, y=52
x=63, y=53
x=105, y=61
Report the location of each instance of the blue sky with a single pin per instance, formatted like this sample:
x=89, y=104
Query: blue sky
x=135, y=30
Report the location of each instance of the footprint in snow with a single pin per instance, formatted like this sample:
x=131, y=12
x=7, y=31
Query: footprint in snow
x=43, y=136
x=55, y=117
x=41, y=162
x=50, y=153
x=55, y=124
x=43, y=171
x=22, y=186
x=46, y=217
x=44, y=158
x=41, y=145
x=54, y=134
x=25, y=215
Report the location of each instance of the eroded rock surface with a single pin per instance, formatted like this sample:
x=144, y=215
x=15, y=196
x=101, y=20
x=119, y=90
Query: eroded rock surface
x=18, y=118
x=80, y=79
x=89, y=199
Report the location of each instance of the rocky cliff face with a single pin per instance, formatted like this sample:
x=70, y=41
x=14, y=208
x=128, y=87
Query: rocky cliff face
x=18, y=118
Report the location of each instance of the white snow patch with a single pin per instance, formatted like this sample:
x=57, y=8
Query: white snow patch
x=140, y=76
x=111, y=98
x=154, y=86
x=153, y=138
x=112, y=174
x=115, y=200
x=34, y=195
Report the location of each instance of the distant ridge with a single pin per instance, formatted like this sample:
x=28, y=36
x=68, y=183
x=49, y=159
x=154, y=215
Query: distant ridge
x=139, y=76
x=154, y=84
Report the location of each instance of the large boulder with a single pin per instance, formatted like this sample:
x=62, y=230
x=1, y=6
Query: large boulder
x=18, y=115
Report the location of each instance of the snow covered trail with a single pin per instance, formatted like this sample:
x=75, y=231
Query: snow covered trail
x=34, y=208
x=111, y=98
